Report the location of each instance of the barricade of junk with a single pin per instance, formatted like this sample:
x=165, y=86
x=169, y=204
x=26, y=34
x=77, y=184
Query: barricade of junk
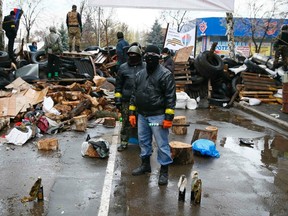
x=34, y=105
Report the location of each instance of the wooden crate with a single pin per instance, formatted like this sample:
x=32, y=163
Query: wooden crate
x=182, y=73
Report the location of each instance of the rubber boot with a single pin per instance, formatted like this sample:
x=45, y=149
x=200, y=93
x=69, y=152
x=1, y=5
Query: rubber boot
x=163, y=177
x=56, y=76
x=77, y=48
x=143, y=168
x=70, y=48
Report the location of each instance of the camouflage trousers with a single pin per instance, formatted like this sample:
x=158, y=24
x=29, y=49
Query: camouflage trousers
x=126, y=130
x=282, y=51
x=74, y=32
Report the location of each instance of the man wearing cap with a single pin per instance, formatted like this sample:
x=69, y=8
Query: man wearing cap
x=167, y=59
x=123, y=90
x=74, y=25
x=10, y=26
x=154, y=99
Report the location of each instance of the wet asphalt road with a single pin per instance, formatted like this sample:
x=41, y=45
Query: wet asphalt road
x=243, y=181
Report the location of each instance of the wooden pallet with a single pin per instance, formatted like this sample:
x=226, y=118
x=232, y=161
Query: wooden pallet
x=182, y=74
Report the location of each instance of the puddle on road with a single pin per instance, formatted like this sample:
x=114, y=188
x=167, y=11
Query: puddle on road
x=271, y=152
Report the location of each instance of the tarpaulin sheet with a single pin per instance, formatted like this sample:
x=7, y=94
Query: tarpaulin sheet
x=196, y=5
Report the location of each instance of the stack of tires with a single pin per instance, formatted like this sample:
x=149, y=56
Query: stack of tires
x=211, y=66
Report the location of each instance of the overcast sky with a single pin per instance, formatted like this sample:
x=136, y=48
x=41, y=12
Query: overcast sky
x=55, y=12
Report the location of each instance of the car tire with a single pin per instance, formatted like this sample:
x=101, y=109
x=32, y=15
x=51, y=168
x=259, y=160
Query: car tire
x=39, y=58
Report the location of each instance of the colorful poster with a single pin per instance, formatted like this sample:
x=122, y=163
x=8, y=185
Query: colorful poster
x=176, y=40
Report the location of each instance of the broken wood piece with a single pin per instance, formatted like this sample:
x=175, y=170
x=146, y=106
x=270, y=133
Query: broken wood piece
x=48, y=144
x=85, y=104
x=109, y=122
x=70, y=103
x=80, y=122
x=181, y=153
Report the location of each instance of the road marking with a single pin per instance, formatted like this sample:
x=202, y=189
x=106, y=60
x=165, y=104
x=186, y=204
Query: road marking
x=107, y=187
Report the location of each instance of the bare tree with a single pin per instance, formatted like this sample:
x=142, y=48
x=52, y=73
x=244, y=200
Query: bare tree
x=31, y=9
x=175, y=18
x=260, y=21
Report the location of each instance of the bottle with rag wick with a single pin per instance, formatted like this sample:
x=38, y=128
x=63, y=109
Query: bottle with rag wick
x=40, y=194
x=194, y=176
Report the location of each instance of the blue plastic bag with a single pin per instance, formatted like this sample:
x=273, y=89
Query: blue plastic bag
x=205, y=147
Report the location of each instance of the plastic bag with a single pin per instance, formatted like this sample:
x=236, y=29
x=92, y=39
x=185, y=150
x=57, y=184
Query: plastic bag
x=205, y=147
x=101, y=146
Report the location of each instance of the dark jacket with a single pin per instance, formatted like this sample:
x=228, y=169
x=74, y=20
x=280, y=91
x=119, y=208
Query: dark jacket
x=169, y=63
x=154, y=93
x=10, y=26
x=125, y=79
x=120, y=51
x=282, y=39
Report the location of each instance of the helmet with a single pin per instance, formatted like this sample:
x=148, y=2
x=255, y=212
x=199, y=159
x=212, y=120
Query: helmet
x=134, y=49
x=135, y=44
x=120, y=35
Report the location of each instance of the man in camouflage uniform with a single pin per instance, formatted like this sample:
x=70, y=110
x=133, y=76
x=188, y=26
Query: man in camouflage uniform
x=123, y=90
x=74, y=25
x=281, y=47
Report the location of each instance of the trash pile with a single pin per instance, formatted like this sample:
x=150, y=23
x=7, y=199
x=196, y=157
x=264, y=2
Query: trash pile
x=32, y=66
x=253, y=79
x=49, y=108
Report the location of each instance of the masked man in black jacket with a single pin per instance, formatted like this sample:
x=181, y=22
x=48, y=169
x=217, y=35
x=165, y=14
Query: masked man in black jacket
x=154, y=99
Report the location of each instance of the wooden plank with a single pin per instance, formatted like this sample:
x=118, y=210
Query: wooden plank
x=183, y=54
x=257, y=92
x=182, y=72
x=182, y=77
x=184, y=82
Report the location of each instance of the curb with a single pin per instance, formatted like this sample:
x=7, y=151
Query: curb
x=278, y=122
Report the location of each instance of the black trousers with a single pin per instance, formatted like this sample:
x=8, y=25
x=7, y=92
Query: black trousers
x=11, y=41
x=53, y=64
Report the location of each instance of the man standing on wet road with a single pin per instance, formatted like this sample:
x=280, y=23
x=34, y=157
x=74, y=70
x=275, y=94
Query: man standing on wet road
x=154, y=98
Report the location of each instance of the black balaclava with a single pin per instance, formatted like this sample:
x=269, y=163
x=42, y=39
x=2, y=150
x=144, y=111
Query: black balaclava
x=152, y=56
x=134, y=59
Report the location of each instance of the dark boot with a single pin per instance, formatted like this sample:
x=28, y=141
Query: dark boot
x=163, y=177
x=77, y=48
x=70, y=48
x=145, y=167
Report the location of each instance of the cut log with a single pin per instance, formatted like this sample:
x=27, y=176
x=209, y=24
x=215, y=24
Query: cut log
x=210, y=133
x=181, y=153
x=179, y=130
